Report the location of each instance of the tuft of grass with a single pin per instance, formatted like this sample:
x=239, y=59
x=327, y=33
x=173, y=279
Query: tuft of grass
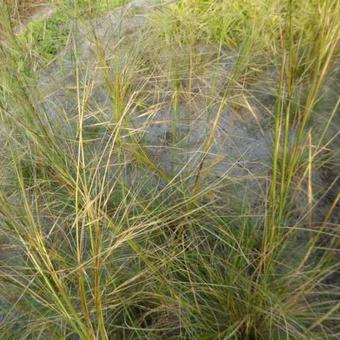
x=100, y=239
x=48, y=36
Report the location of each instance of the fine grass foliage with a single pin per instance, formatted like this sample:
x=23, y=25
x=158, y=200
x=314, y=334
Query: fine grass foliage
x=48, y=36
x=104, y=235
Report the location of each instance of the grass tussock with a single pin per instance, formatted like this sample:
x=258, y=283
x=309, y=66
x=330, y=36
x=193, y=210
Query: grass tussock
x=107, y=234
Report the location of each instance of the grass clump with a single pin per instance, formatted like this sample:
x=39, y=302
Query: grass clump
x=120, y=216
x=47, y=37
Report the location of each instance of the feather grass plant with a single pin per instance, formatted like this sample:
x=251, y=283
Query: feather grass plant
x=99, y=241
